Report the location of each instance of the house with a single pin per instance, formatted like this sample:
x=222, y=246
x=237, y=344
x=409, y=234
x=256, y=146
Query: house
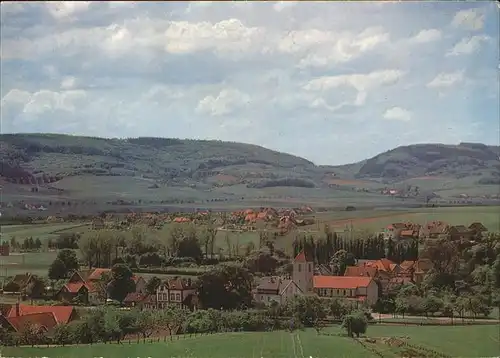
x=395, y=226
x=4, y=249
x=434, y=229
x=174, y=292
x=88, y=289
x=135, y=299
x=416, y=270
x=275, y=289
x=361, y=271
x=18, y=283
x=459, y=232
x=402, y=231
x=98, y=224
x=77, y=286
x=62, y=314
x=44, y=322
x=357, y=289
x=96, y=274
x=477, y=228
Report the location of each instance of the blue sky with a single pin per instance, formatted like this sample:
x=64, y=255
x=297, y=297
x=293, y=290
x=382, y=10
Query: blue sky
x=331, y=82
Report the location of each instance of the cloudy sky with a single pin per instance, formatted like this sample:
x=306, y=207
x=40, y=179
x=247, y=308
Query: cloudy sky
x=332, y=82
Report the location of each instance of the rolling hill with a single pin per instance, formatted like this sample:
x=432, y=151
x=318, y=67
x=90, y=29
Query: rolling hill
x=70, y=163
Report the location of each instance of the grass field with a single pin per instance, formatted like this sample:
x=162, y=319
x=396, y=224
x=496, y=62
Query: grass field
x=42, y=231
x=36, y=263
x=376, y=220
x=471, y=341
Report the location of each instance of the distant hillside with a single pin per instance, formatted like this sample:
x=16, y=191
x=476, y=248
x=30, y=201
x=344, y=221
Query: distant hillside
x=46, y=158
x=455, y=161
x=43, y=157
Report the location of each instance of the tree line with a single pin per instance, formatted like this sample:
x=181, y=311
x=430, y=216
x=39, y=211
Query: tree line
x=110, y=324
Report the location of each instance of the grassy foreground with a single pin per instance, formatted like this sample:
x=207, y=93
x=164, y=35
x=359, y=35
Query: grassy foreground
x=471, y=341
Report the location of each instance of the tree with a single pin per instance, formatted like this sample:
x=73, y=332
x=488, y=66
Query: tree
x=355, y=323
x=495, y=273
x=63, y=334
x=259, y=261
x=68, y=257
x=338, y=308
x=121, y=282
x=226, y=286
x=36, y=287
x=340, y=260
x=112, y=329
x=146, y=323
x=58, y=270
x=308, y=309
x=172, y=319
x=152, y=285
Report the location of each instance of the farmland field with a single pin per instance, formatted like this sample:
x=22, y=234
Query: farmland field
x=376, y=220
x=468, y=341
x=36, y=263
x=43, y=231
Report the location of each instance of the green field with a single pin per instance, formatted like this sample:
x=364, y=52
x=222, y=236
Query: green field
x=377, y=220
x=472, y=341
x=43, y=231
x=36, y=263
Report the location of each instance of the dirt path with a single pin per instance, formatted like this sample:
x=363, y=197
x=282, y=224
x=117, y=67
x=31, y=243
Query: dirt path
x=443, y=319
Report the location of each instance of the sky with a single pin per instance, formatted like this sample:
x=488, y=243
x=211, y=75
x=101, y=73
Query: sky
x=332, y=82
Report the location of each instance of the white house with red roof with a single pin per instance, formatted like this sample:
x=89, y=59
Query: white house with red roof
x=358, y=289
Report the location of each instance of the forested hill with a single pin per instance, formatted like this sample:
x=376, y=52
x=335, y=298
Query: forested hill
x=49, y=157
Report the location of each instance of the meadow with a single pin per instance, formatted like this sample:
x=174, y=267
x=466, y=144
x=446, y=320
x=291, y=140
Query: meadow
x=456, y=341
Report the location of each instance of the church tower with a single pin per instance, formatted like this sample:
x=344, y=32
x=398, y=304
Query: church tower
x=303, y=272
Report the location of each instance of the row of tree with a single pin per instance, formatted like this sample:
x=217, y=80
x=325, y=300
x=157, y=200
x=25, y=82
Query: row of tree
x=105, y=325
x=369, y=248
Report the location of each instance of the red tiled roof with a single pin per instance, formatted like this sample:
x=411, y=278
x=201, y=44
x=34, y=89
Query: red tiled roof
x=382, y=264
x=178, y=284
x=342, y=282
x=302, y=257
x=97, y=273
x=45, y=320
x=135, y=297
x=62, y=314
x=406, y=233
x=357, y=271
x=74, y=287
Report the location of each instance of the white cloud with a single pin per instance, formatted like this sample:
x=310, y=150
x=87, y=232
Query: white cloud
x=471, y=19
x=428, y=35
x=398, y=114
x=68, y=83
x=43, y=100
x=446, y=79
x=218, y=67
x=282, y=5
x=66, y=9
x=361, y=82
x=469, y=45
x=225, y=36
x=323, y=48
x=227, y=101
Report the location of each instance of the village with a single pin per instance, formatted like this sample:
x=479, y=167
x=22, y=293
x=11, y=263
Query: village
x=364, y=274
